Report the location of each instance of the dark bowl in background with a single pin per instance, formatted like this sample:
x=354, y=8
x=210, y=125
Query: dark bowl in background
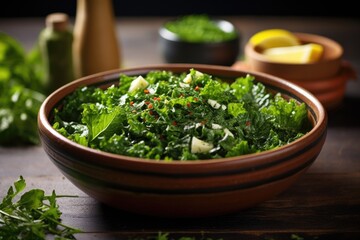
x=176, y=50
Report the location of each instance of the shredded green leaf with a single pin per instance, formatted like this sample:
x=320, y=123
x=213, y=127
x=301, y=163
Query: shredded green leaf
x=199, y=28
x=185, y=116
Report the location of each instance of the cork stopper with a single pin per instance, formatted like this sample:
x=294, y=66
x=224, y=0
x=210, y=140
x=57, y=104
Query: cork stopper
x=57, y=21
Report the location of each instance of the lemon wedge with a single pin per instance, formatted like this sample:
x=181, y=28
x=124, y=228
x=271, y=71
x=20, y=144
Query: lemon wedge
x=274, y=38
x=306, y=53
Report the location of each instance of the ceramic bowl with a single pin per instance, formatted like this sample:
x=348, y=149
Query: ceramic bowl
x=183, y=189
x=176, y=50
x=326, y=78
x=328, y=66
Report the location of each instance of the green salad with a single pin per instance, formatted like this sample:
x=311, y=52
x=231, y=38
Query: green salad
x=199, y=28
x=189, y=116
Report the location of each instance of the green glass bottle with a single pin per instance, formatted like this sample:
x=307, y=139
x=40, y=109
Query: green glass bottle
x=55, y=44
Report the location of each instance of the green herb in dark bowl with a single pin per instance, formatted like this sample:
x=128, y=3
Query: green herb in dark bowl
x=200, y=28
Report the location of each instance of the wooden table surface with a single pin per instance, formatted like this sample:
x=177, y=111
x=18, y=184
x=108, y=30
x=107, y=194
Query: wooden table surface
x=323, y=204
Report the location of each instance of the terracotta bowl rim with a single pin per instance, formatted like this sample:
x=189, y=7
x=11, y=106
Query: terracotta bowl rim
x=251, y=52
x=46, y=130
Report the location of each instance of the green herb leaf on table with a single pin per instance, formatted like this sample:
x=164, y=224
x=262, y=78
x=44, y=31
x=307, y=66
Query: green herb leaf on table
x=33, y=215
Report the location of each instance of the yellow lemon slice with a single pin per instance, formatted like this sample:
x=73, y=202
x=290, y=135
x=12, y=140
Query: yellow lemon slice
x=306, y=53
x=274, y=38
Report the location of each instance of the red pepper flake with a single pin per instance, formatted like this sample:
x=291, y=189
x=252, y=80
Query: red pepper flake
x=197, y=88
x=174, y=123
x=150, y=106
x=196, y=99
x=131, y=103
x=147, y=102
x=151, y=112
x=248, y=123
x=157, y=99
x=146, y=91
x=188, y=105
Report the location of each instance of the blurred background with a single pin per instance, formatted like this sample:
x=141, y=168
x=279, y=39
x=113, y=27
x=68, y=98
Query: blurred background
x=40, y=8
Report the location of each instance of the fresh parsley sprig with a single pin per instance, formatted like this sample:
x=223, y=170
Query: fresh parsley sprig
x=33, y=215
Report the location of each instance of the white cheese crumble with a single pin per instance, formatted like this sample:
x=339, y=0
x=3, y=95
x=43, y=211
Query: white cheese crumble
x=138, y=83
x=200, y=146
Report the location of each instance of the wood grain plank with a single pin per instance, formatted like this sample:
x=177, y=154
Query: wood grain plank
x=318, y=205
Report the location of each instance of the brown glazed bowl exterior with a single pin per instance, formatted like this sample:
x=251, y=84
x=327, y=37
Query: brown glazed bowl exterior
x=183, y=189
